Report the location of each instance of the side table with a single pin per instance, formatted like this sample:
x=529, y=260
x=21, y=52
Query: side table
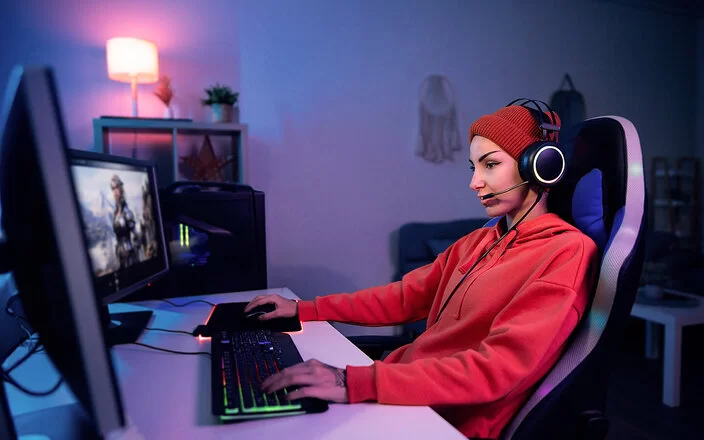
x=673, y=319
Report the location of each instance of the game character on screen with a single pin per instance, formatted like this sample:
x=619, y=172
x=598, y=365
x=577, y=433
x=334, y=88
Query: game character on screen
x=124, y=226
x=147, y=226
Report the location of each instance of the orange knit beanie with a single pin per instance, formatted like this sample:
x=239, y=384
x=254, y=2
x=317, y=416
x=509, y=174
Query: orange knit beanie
x=513, y=128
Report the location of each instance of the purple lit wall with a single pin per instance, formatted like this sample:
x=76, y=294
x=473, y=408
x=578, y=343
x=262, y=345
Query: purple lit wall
x=330, y=93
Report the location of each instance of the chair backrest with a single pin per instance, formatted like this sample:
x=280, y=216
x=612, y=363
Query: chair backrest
x=609, y=205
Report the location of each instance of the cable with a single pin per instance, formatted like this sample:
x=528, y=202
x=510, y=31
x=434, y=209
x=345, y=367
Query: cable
x=14, y=383
x=169, y=331
x=189, y=302
x=24, y=323
x=171, y=351
x=29, y=353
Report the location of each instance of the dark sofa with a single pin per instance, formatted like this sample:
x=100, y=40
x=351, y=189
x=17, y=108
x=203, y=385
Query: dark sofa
x=420, y=243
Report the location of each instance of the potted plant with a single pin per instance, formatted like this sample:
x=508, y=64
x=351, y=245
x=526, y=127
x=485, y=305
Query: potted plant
x=165, y=93
x=222, y=100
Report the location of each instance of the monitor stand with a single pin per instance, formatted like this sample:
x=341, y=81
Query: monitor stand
x=124, y=328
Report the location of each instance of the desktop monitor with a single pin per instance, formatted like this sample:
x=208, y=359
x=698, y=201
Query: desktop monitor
x=118, y=200
x=45, y=238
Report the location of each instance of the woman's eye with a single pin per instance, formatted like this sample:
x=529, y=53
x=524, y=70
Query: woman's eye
x=471, y=168
x=491, y=165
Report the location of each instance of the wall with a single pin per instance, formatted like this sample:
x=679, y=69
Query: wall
x=330, y=93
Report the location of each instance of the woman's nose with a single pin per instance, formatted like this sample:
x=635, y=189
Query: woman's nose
x=476, y=183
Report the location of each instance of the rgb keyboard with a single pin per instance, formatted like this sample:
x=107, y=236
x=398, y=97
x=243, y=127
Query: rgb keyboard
x=241, y=361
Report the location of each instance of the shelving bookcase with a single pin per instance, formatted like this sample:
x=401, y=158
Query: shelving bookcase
x=102, y=127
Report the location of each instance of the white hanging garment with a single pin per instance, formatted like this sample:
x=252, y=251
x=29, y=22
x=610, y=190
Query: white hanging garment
x=439, y=138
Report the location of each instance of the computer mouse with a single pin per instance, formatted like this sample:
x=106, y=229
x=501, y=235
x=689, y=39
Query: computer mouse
x=259, y=311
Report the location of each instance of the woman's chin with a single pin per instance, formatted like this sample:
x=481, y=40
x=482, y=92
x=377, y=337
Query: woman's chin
x=494, y=211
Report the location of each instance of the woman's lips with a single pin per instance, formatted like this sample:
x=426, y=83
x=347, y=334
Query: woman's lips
x=489, y=202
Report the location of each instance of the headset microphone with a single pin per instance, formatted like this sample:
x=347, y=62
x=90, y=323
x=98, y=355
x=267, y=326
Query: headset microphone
x=490, y=195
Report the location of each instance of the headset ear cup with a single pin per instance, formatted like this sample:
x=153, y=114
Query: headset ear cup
x=542, y=164
x=548, y=164
x=525, y=168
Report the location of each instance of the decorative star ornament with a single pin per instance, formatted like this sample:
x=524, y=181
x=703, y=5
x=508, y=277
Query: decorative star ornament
x=206, y=165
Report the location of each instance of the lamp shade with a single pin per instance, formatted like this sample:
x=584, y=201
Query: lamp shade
x=132, y=58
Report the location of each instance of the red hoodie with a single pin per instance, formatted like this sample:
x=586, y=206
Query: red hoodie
x=502, y=330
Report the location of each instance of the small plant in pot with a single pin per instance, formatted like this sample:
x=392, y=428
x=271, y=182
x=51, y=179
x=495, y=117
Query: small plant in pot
x=222, y=100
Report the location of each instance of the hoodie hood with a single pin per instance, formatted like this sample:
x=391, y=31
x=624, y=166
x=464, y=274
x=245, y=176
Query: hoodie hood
x=543, y=226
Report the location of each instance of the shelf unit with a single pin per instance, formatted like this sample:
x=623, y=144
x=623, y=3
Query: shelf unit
x=675, y=202
x=102, y=127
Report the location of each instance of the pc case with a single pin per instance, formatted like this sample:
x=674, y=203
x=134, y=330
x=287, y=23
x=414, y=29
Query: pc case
x=216, y=235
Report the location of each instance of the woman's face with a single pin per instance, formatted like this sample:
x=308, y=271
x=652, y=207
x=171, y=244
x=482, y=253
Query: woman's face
x=495, y=170
x=117, y=193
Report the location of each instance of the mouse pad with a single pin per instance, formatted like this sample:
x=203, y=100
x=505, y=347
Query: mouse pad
x=230, y=316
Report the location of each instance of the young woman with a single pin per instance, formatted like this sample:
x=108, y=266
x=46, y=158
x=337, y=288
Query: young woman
x=500, y=302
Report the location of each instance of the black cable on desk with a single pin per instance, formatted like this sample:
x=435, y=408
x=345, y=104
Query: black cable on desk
x=6, y=377
x=169, y=331
x=171, y=351
x=19, y=362
x=188, y=303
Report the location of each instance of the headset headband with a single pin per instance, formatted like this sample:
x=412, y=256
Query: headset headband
x=544, y=125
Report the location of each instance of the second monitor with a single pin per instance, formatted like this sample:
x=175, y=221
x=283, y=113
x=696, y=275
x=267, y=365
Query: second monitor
x=119, y=205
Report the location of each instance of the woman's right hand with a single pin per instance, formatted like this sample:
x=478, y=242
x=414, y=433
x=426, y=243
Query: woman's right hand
x=285, y=308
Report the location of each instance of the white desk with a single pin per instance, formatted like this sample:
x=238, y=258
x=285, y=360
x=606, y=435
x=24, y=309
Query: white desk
x=673, y=319
x=167, y=396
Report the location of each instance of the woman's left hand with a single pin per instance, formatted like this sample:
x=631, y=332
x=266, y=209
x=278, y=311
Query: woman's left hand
x=313, y=379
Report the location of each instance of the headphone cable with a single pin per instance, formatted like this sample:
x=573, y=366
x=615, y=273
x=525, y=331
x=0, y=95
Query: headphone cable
x=514, y=226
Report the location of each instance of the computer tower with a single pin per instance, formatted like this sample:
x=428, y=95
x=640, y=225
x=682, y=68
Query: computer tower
x=216, y=235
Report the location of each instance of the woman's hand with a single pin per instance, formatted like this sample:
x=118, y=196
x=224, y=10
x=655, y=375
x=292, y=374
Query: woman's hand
x=285, y=308
x=314, y=379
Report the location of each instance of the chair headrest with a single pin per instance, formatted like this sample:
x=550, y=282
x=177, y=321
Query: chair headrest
x=594, y=187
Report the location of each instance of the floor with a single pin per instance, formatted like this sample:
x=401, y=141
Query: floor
x=634, y=406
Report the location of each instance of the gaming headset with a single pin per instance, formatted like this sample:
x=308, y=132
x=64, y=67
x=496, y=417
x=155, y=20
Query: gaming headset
x=543, y=162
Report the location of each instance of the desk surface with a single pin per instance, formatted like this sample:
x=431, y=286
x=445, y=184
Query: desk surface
x=167, y=396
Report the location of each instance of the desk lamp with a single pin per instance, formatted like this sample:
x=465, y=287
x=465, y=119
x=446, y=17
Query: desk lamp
x=133, y=61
